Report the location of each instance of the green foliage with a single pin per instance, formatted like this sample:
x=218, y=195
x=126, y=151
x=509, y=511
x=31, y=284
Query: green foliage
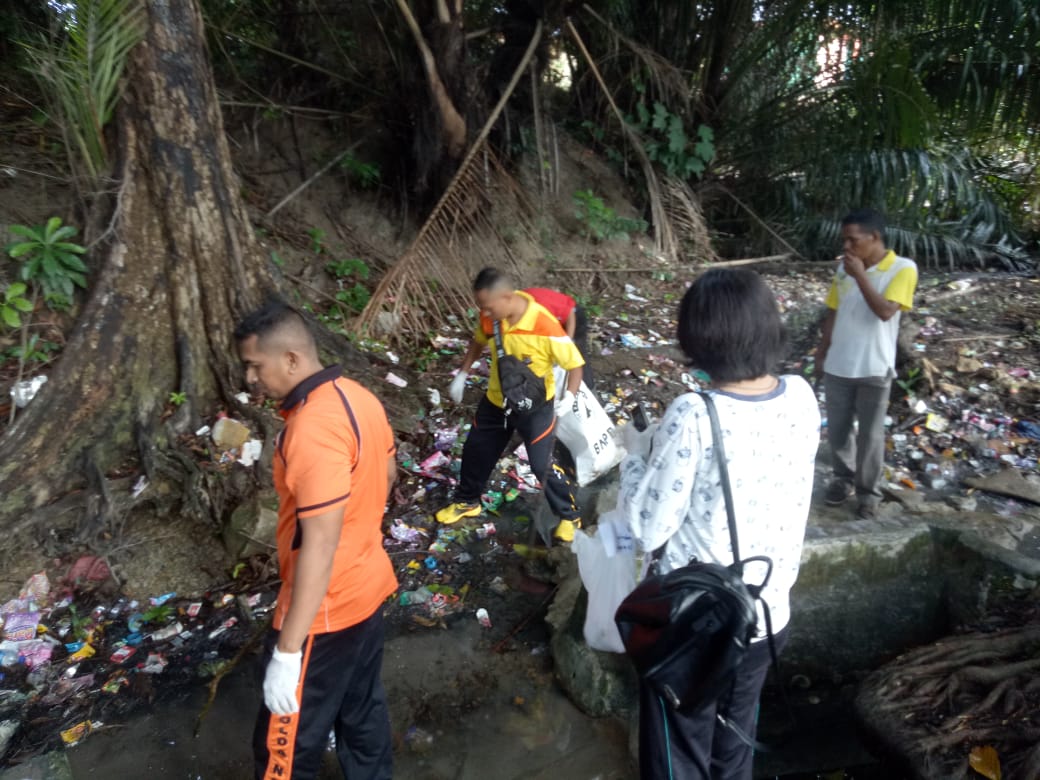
x=355, y=297
x=177, y=398
x=592, y=308
x=49, y=260
x=908, y=382
x=601, y=222
x=668, y=144
x=14, y=305
x=79, y=68
x=366, y=175
x=351, y=269
x=317, y=240
x=157, y=615
x=36, y=350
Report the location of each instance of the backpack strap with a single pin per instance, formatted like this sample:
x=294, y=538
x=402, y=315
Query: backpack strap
x=727, y=491
x=499, y=349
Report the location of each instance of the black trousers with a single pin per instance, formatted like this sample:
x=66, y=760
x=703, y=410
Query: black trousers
x=342, y=692
x=492, y=429
x=695, y=746
x=581, y=341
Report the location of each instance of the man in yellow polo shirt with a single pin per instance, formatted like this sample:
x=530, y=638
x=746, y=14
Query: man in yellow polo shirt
x=334, y=465
x=857, y=355
x=534, y=336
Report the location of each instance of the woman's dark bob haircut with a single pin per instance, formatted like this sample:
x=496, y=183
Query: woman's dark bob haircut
x=729, y=326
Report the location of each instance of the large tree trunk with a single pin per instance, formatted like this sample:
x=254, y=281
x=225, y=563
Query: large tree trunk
x=177, y=268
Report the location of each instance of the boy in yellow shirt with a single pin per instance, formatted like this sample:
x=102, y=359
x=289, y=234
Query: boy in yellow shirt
x=534, y=336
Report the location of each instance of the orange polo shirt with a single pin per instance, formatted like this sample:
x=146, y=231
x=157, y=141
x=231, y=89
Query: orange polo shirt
x=332, y=453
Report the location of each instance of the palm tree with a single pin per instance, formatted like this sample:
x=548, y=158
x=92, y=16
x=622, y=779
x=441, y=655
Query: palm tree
x=923, y=109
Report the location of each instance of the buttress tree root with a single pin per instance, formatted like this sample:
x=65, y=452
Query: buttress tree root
x=178, y=264
x=930, y=707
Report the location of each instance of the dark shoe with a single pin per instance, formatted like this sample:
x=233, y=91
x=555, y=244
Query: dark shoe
x=838, y=492
x=866, y=512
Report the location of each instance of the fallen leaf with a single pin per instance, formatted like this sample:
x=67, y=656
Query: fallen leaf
x=985, y=761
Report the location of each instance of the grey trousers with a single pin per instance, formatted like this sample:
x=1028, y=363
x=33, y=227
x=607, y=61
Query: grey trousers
x=858, y=459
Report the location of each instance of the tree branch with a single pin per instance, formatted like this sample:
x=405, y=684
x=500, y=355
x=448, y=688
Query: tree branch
x=454, y=124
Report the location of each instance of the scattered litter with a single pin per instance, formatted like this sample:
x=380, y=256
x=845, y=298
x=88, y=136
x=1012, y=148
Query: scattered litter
x=250, y=453
x=395, y=380
x=23, y=392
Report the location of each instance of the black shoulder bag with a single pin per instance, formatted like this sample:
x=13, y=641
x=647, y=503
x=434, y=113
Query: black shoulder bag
x=688, y=631
x=522, y=391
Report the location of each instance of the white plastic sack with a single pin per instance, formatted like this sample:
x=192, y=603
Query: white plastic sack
x=608, y=580
x=560, y=381
x=589, y=434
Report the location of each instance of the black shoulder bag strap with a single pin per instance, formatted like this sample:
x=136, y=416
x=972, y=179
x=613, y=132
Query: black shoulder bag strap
x=731, y=520
x=499, y=349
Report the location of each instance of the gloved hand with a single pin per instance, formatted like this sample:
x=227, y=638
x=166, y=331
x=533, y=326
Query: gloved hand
x=637, y=442
x=566, y=404
x=280, y=681
x=458, y=386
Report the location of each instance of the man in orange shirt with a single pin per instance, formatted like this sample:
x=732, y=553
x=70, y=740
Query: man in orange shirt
x=334, y=465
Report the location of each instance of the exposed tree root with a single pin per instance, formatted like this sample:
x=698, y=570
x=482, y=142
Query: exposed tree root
x=930, y=707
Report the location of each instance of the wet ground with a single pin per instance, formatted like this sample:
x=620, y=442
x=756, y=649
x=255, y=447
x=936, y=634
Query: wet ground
x=459, y=711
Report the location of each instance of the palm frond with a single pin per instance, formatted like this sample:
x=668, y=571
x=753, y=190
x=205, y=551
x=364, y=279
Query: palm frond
x=80, y=69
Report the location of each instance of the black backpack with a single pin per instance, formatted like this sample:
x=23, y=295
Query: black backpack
x=522, y=391
x=689, y=630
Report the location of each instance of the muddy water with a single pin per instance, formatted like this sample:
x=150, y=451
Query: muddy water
x=458, y=711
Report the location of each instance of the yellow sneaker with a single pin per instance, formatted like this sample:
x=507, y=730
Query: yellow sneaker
x=565, y=530
x=455, y=512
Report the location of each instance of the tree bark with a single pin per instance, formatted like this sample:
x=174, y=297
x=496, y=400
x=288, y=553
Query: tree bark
x=179, y=266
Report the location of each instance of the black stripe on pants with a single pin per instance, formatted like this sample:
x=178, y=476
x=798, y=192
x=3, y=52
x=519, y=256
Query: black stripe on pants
x=492, y=429
x=342, y=692
x=695, y=746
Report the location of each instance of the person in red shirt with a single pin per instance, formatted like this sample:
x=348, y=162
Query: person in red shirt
x=334, y=466
x=572, y=317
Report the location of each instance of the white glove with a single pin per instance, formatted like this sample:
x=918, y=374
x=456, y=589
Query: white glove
x=458, y=386
x=638, y=442
x=566, y=404
x=280, y=681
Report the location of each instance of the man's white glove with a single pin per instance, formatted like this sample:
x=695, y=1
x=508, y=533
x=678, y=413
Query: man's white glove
x=566, y=404
x=280, y=681
x=637, y=442
x=458, y=386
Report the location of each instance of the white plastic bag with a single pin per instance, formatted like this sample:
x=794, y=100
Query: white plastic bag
x=608, y=579
x=589, y=434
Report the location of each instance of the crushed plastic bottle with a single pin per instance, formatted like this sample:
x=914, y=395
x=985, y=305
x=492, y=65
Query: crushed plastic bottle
x=23, y=392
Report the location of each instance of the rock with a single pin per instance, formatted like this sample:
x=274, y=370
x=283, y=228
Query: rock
x=599, y=684
x=962, y=503
x=230, y=434
x=968, y=365
x=1008, y=482
x=8, y=728
x=49, y=766
x=251, y=528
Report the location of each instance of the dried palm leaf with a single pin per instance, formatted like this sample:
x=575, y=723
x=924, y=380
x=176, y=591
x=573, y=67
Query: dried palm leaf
x=683, y=209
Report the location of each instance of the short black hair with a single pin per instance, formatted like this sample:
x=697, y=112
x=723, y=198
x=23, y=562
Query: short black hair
x=871, y=220
x=272, y=315
x=489, y=278
x=729, y=325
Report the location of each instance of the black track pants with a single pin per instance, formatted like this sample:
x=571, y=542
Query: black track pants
x=492, y=429
x=342, y=692
x=676, y=746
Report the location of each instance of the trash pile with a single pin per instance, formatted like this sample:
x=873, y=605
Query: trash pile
x=76, y=654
